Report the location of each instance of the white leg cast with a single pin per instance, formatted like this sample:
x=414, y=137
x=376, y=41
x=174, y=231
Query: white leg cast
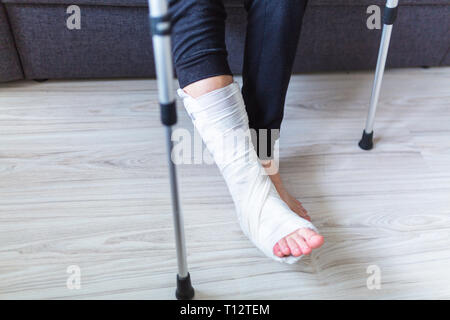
x=222, y=122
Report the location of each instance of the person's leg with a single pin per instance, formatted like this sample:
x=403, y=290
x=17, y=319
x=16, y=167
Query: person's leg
x=273, y=33
x=217, y=109
x=204, y=86
x=221, y=120
x=198, y=45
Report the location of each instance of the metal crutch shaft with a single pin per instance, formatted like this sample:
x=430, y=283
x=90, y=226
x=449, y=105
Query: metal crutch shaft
x=390, y=14
x=161, y=28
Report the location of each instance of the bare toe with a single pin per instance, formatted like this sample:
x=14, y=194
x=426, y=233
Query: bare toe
x=301, y=242
x=316, y=241
x=313, y=239
x=277, y=251
x=295, y=249
x=284, y=247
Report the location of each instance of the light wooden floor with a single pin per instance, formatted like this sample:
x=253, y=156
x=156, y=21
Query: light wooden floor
x=83, y=181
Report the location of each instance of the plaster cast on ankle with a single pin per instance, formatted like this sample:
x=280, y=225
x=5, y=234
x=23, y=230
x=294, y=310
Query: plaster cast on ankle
x=222, y=122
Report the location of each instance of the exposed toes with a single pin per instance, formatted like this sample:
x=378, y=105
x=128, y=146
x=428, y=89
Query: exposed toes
x=284, y=247
x=316, y=241
x=277, y=251
x=301, y=242
x=294, y=247
x=313, y=239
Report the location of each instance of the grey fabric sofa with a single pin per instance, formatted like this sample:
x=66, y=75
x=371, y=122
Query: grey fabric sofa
x=10, y=68
x=114, y=37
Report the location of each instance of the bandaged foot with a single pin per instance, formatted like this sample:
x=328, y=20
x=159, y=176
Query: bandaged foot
x=221, y=120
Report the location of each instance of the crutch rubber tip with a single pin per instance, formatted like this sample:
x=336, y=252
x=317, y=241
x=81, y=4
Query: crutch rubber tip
x=185, y=291
x=366, y=142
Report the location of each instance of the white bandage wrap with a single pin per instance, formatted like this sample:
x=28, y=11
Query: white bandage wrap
x=221, y=120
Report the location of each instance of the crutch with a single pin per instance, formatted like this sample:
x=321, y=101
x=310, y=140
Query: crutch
x=161, y=28
x=389, y=16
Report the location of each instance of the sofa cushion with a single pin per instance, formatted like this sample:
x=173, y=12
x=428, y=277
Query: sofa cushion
x=333, y=38
x=232, y=3
x=10, y=68
x=115, y=42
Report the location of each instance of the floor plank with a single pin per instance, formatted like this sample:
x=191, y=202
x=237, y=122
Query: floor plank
x=83, y=181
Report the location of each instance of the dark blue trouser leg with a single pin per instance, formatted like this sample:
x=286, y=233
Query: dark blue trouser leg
x=198, y=39
x=273, y=32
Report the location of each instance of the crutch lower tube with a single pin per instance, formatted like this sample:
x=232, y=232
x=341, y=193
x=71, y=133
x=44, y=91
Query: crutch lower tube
x=389, y=17
x=161, y=28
